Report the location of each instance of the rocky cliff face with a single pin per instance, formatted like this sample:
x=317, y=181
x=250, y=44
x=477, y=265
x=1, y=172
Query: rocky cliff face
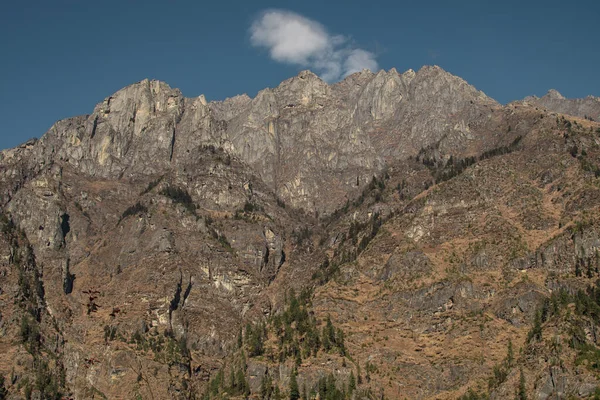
x=355, y=238
x=304, y=128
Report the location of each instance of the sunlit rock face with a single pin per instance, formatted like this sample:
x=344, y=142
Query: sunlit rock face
x=299, y=137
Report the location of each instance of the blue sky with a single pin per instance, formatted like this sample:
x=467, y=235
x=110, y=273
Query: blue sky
x=59, y=58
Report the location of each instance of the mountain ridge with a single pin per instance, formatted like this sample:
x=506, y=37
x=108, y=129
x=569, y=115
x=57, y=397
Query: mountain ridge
x=247, y=127
x=587, y=107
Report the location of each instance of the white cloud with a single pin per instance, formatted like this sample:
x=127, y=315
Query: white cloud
x=294, y=39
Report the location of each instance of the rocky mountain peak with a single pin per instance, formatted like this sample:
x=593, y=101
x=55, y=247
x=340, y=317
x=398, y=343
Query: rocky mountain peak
x=351, y=83
x=432, y=78
x=554, y=94
x=231, y=106
x=307, y=74
x=305, y=77
x=157, y=94
x=304, y=89
x=383, y=94
x=435, y=71
x=408, y=75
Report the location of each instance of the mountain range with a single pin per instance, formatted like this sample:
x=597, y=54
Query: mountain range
x=392, y=235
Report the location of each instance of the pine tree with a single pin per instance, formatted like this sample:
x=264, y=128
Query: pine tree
x=232, y=382
x=3, y=391
x=536, y=330
x=239, y=339
x=241, y=385
x=331, y=384
x=322, y=387
x=325, y=340
x=328, y=336
x=254, y=339
x=330, y=329
x=510, y=357
x=522, y=393
x=266, y=387
x=351, y=383
x=294, y=310
x=340, y=341
x=298, y=357
x=216, y=383
x=263, y=387
x=243, y=364
x=246, y=385
x=294, y=390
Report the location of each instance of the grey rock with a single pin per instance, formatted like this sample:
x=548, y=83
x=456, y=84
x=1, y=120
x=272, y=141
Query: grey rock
x=274, y=255
x=406, y=266
x=553, y=385
x=256, y=371
x=163, y=241
x=299, y=138
x=554, y=101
